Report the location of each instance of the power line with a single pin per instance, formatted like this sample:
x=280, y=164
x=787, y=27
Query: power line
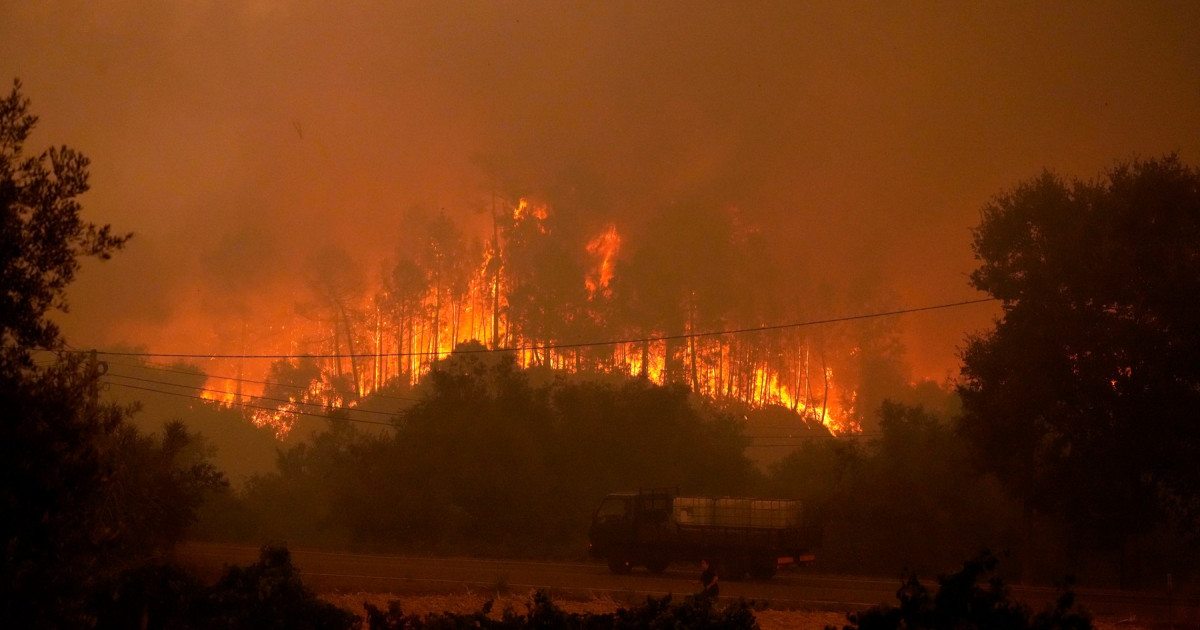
x=797, y=440
x=259, y=407
x=802, y=438
x=237, y=379
x=390, y=424
x=229, y=393
x=563, y=346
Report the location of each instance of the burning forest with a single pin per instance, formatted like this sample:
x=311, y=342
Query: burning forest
x=689, y=300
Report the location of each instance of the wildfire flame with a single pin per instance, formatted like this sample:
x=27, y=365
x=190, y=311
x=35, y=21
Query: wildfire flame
x=604, y=248
x=401, y=336
x=525, y=210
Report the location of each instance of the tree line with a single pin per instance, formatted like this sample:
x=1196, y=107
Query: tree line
x=85, y=495
x=551, y=283
x=1071, y=449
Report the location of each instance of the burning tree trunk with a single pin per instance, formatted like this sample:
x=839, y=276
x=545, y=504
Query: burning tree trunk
x=695, y=380
x=346, y=326
x=337, y=283
x=825, y=396
x=495, y=263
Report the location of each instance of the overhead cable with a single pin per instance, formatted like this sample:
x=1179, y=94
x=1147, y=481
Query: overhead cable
x=560, y=346
x=238, y=379
x=258, y=407
x=284, y=401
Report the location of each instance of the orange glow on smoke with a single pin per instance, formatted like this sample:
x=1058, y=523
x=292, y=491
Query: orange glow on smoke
x=400, y=345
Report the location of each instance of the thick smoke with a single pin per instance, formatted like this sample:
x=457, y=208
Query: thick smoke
x=861, y=140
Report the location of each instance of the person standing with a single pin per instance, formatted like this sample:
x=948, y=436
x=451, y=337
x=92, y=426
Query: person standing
x=708, y=581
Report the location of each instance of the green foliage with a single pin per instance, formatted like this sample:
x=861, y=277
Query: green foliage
x=268, y=595
x=916, y=477
x=1083, y=398
x=488, y=462
x=157, y=485
x=656, y=613
x=42, y=235
x=83, y=493
x=54, y=441
x=53, y=433
x=975, y=597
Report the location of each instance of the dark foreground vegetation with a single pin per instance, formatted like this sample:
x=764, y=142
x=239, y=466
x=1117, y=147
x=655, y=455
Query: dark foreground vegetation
x=975, y=597
x=1071, y=451
x=269, y=594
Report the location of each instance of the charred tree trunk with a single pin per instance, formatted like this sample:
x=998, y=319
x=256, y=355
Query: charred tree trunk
x=807, y=377
x=337, y=347
x=495, y=276
x=350, y=345
x=825, y=397
x=799, y=378
x=437, y=314
x=644, y=371
x=692, y=344
x=378, y=371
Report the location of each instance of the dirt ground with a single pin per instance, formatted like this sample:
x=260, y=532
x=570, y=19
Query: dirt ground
x=473, y=602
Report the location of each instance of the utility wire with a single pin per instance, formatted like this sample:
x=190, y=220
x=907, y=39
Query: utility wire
x=259, y=407
x=813, y=436
x=818, y=436
x=160, y=368
x=563, y=346
x=227, y=392
x=792, y=440
x=796, y=440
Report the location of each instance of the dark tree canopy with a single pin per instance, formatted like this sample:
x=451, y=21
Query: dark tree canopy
x=1083, y=397
x=83, y=493
x=42, y=236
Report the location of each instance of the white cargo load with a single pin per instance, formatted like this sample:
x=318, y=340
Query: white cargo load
x=737, y=512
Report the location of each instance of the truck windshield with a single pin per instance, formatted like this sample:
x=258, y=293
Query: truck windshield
x=612, y=507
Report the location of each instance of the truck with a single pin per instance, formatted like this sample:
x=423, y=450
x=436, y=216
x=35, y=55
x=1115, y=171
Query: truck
x=740, y=536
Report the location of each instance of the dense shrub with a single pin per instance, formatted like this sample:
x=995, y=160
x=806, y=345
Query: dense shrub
x=519, y=465
x=975, y=597
x=263, y=596
x=692, y=613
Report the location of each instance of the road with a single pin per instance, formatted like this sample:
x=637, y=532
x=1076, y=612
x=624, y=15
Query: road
x=350, y=572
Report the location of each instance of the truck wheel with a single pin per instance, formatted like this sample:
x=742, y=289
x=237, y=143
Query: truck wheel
x=657, y=564
x=619, y=565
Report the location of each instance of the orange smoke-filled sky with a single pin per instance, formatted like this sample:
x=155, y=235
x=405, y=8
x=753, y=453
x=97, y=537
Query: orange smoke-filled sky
x=862, y=137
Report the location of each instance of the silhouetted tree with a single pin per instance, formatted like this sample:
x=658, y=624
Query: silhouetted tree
x=915, y=477
x=975, y=597
x=337, y=283
x=1083, y=397
x=442, y=253
x=42, y=236
x=52, y=429
x=158, y=482
x=520, y=465
x=83, y=493
x=406, y=289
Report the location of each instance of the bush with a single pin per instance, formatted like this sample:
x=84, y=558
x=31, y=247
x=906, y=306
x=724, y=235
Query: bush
x=692, y=613
x=264, y=596
x=972, y=598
